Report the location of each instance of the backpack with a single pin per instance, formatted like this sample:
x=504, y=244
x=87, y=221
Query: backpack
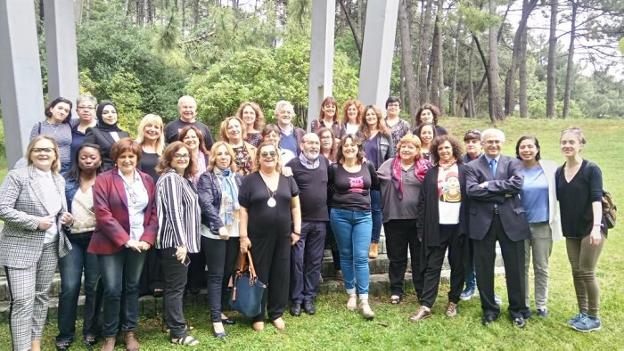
x=609, y=209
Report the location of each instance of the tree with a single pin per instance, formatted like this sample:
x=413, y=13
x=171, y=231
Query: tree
x=437, y=79
x=424, y=43
x=570, y=66
x=407, y=62
x=551, y=83
x=492, y=69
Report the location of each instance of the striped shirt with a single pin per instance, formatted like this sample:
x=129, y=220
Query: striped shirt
x=178, y=213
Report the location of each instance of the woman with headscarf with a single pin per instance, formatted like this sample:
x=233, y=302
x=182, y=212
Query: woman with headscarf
x=106, y=133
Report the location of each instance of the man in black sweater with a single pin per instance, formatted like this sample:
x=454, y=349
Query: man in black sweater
x=187, y=108
x=310, y=173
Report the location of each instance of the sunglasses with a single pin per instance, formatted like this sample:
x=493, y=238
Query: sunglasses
x=267, y=154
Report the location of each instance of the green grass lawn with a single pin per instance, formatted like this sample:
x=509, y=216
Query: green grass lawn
x=336, y=328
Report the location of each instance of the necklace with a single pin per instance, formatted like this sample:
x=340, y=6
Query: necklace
x=129, y=190
x=271, y=201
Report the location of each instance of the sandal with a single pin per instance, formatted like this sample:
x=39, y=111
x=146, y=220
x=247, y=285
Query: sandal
x=395, y=299
x=187, y=341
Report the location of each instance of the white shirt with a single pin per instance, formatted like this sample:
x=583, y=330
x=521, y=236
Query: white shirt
x=52, y=199
x=137, y=199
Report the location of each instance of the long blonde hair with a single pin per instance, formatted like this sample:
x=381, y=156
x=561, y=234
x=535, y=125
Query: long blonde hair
x=154, y=120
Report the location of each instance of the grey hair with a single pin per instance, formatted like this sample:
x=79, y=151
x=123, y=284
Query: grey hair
x=86, y=98
x=281, y=104
x=493, y=132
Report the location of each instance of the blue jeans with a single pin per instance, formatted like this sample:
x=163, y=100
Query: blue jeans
x=71, y=267
x=121, y=272
x=377, y=215
x=352, y=230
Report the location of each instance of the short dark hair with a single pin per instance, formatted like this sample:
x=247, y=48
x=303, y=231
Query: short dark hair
x=354, y=139
x=472, y=134
x=392, y=99
x=126, y=145
x=55, y=102
x=535, y=141
x=437, y=141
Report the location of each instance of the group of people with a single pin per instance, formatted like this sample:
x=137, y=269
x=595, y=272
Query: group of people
x=172, y=207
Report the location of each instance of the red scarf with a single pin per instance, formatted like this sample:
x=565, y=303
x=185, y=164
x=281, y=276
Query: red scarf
x=421, y=166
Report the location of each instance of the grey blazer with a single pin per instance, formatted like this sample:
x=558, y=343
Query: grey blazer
x=21, y=205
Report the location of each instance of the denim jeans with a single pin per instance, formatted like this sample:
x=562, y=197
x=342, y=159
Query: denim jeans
x=377, y=215
x=71, y=267
x=121, y=272
x=352, y=230
x=214, y=251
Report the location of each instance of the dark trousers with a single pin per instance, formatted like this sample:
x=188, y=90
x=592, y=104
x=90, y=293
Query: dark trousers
x=513, y=255
x=401, y=236
x=174, y=274
x=214, y=251
x=196, y=277
x=469, y=269
x=271, y=256
x=232, y=250
x=152, y=275
x=330, y=241
x=71, y=267
x=306, y=259
x=433, y=266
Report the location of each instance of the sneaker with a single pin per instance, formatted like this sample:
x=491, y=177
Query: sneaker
x=542, y=312
x=576, y=318
x=451, y=309
x=467, y=294
x=587, y=324
x=423, y=312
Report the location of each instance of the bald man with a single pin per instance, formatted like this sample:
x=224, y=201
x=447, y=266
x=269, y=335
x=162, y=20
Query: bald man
x=187, y=109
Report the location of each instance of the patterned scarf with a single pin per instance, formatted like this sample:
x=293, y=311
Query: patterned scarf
x=421, y=166
x=307, y=163
x=230, y=207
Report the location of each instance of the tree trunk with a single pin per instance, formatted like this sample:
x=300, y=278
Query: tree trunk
x=493, y=89
x=453, y=93
x=407, y=62
x=551, y=71
x=195, y=13
x=471, y=95
x=522, y=93
x=424, y=44
x=356, y=36
x=570, y=68
x=436, y=59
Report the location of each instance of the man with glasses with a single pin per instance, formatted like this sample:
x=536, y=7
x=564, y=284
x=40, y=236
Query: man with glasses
x=493, y=183
x=85, y=107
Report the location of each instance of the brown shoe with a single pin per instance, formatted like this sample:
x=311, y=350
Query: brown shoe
x=373, y=250
x=451, y=309
x=132, y=344
x=422, y=313
x=109, y=344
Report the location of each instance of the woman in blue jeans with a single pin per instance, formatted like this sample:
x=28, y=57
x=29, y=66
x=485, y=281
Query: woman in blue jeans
x=78, y=191
x=351, y=180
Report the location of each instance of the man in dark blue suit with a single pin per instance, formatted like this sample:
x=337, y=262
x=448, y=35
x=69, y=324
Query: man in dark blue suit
x=493, y=183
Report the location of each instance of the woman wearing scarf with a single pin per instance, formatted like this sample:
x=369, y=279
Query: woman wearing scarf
x=401, y=180
x=442, y=224
x=106, y=133
x=218, y=199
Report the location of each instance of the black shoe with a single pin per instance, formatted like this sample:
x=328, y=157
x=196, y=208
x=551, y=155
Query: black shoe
x=89, y=341
x=488, y=319
x=63, y=345
x=228, y=321
x=308, y=307
x=295, y=309
x=519, y=322
x=526, y=314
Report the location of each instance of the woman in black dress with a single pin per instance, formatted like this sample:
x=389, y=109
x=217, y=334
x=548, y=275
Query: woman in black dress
x=106, y=133
x=270, y=222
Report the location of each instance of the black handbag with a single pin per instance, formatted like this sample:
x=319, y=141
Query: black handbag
x=247, y=290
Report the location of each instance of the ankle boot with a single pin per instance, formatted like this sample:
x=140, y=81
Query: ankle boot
x=367, y=312
x=352, y=302
x=373, y=250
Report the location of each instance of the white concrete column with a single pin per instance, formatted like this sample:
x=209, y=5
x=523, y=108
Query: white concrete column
x=62, y=57
x=377, y=51
x=320, y=82
x=20, y=69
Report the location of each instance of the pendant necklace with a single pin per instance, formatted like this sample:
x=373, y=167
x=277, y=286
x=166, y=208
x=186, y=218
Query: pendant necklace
x=271, y=201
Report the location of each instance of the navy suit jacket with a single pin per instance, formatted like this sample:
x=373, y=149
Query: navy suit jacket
x=503, y=189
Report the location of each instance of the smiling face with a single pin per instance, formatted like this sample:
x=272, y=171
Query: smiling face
x=43, y=155
x=327, y=140
x=272, y=137
x=570, y=145
x=473, y=147
x=181, y=160
x=152, y=131
x=86, y=111
x=329, y=110
x=311, y=146
x=408, y=151
x=191, y=140
x=445, y=152
x=426, y=116
x=249, y=115
x=492, y=145
x=109, y=115
x=371, y=117
x=187, y=108
x=352, y=114
x=127, y=162
x=349, y=149
x=223, y=159
x=59, y=112
x=527, y=150
x=234, y=130
x=426, y=135
x=285, y=115
x=393, y=109
x=89, y=159
x=268, y=157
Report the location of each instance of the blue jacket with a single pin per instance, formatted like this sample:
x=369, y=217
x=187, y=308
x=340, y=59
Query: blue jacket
x=209, y=193
x=71, y=187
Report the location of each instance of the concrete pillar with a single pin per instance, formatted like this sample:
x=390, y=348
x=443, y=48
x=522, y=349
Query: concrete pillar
x=377, y=51
x=62, y=57
x=20, y=69
x=320, y=82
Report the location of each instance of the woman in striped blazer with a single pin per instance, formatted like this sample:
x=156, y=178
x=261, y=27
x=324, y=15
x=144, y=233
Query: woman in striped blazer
x=34, y=210
x=178, y=233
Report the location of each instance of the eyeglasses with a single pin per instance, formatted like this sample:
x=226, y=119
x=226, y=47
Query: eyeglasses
x=182, y=156
x=492, y=142
x=267, y=154
x=86, y=108
x=42, y=149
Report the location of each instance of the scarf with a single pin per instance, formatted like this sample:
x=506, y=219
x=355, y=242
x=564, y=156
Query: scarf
x=309, y=164
x=103, y=126
x=229, y=209
x=421, y=166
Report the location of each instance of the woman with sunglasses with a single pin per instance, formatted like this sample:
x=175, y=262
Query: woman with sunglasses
x=178, y=233
x=270, y=222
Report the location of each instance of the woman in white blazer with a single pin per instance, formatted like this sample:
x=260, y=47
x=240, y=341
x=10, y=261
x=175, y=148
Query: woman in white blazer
x=539, y=200
x=34, y=210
